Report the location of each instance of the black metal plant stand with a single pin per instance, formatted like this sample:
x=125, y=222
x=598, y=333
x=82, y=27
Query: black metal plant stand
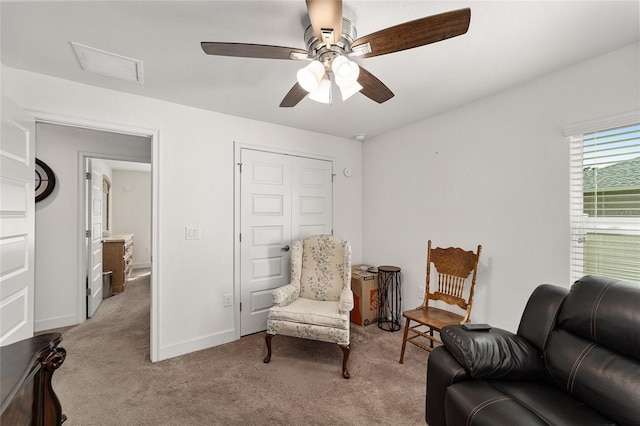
x=390, y=298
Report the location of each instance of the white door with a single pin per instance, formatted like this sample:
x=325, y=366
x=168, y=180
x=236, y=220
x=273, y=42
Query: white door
x=17, y=217
x=283, y=198
x=94, y=268
x=311, y=197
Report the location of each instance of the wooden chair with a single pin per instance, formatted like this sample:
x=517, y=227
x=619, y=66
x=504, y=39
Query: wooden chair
x=453, y=266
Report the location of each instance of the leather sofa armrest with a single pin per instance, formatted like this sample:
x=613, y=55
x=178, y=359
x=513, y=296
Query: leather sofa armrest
x=443, y=370
x=493, y=353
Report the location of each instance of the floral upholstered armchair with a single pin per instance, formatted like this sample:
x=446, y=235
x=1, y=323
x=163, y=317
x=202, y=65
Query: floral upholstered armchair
x=317, y=302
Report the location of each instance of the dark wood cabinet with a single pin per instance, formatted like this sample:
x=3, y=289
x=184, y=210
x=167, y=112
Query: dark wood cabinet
x=26, y=368
x=117, y=256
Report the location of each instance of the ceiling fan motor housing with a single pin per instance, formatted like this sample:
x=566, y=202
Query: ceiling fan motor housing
x=318, y=49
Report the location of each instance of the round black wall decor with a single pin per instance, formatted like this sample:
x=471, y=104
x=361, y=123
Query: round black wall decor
x=45, y=180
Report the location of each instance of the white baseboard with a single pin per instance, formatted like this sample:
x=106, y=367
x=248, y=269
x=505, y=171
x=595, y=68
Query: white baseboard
x=205, y=342
x=141, y=265
x=58, y=322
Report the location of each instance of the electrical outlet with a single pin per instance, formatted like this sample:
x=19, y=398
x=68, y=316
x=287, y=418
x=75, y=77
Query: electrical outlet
x=227, y=300
x=420, y=292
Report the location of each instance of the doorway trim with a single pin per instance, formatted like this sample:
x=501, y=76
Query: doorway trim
x=154, y=136
x=237, y=186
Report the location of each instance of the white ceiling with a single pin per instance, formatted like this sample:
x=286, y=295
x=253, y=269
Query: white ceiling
x=508, y=43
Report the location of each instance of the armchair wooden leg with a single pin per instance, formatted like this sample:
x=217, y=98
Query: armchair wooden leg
x=345, y=357
x=404, y=339
x=267, y=339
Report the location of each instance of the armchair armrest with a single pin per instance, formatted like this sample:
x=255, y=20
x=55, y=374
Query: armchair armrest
x=283, y=296
x=493, y=354
x=346, y=300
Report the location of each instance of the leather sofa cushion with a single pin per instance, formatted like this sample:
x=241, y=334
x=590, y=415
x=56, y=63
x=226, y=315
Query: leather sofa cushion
x=595, y=375
x=477, y=403
x=516, y=403
x=605, y=311
x=493, y=354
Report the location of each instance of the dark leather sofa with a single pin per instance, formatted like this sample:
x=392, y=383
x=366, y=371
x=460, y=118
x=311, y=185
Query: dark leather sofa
x=575, y=360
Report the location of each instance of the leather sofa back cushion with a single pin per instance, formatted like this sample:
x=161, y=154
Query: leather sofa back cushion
x=601, y=378
x=493, y=354
x=606, y=311
x=539, y=316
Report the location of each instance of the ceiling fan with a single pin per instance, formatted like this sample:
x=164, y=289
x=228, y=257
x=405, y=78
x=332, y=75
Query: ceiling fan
x=331, y=41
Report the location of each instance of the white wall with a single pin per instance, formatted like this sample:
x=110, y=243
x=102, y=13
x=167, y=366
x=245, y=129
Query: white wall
x=131, y=202
x=496, y=173
x=196, y=187
x=58, y=258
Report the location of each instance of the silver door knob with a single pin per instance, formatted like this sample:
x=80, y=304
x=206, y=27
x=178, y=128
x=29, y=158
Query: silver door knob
x=285, y=248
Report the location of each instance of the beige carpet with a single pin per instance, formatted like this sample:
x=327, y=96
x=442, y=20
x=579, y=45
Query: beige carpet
x=107, y=378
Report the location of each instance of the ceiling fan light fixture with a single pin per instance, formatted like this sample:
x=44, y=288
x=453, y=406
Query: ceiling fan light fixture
x=349, y=91
x=345, y=71
x=310, y=77
x=323, y=93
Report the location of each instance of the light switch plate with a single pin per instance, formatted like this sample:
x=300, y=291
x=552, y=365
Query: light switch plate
x=227, y=299
x=192, y=233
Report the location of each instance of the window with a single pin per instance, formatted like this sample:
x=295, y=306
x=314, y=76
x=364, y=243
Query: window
x=605, y=203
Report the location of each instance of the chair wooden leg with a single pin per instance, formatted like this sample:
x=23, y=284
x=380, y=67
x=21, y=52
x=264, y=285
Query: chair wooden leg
x=404, y=339
x=431, y=340
x=345, y=357
x=267, y=339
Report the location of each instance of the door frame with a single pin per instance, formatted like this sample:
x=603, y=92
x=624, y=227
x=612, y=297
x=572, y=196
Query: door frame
x=154, y=136
x=84, y=204
x=237, y=182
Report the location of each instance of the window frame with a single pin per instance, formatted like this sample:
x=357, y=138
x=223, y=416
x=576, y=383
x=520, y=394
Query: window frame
x=580, y=224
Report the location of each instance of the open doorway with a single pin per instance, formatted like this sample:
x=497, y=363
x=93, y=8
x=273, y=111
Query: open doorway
x=61, y=257
x=118, y=206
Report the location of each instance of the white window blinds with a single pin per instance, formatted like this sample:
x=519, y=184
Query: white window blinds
x=605, y=203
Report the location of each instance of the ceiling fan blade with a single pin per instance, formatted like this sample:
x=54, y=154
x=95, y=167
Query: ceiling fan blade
x=326, y=14
x=373, y=88
x=416, y=33
x=295, y=95
x=245, y=50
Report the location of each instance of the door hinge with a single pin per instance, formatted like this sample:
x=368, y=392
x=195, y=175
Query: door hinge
x=87, y=175
x=240, y=237
x=333, y=176
x=87, y=233
x=88, y=291
x=240, y=306
x=240, y=164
